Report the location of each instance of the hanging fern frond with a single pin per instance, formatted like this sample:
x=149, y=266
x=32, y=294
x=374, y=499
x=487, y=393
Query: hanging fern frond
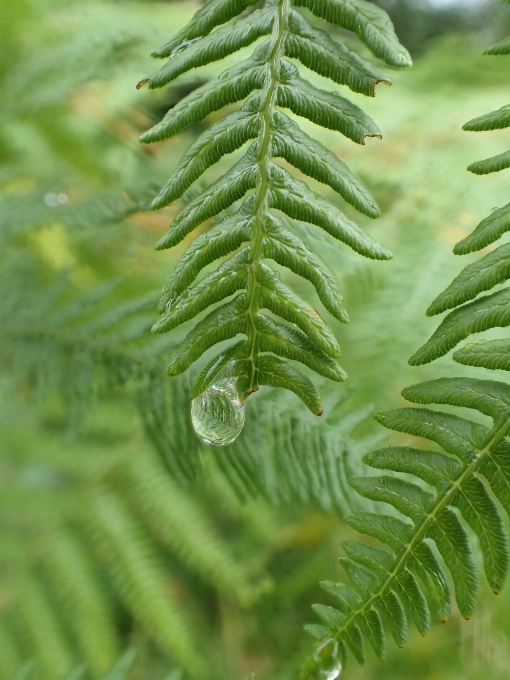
x=471, y=313
x=257, y=186
x=118, y=671
x=469, y=473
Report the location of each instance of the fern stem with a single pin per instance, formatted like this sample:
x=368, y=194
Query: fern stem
x=494, y=437
x=276, y=52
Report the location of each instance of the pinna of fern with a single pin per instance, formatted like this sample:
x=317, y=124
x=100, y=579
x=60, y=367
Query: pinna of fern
x=471, y=474
x=260, y=189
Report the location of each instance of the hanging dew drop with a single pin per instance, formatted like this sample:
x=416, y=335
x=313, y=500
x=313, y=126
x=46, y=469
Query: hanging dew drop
x=328, y=665
x=217, y=415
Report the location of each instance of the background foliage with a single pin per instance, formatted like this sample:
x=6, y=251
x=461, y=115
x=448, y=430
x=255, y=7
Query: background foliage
x=117, y=529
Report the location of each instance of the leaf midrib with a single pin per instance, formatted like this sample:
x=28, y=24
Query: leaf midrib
x=275, y=54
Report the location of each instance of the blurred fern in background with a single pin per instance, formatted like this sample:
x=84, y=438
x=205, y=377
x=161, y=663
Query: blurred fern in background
x=117, y=528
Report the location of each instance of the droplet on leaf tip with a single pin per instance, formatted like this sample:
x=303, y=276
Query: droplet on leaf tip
x=217, y=415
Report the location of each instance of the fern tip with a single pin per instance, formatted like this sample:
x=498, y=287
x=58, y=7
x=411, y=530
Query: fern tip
x=378, y=136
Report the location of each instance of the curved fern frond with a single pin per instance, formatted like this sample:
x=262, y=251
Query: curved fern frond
x=256, y=186
x=118, y=671
x=470, y=472
x=136, y=571
x=83, y=601
x=471, y=313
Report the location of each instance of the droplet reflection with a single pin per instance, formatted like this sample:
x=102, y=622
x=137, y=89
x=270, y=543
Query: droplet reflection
x=217, y=415
x=328, y=665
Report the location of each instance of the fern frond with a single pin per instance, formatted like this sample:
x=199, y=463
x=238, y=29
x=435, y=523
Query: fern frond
x=303, y=461
x=469, y=473
x=256, y=186
x=181, y=525
x=118, y=671
x=473, y=314
x=83, y=600
x=139, y=577
x=9, y=653
x=41, y=627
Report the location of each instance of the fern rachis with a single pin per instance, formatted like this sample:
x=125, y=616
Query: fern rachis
x=254, y=233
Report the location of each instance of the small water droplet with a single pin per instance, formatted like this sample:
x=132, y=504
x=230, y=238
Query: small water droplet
x=493, y=210
x=184, y=45
x=217, y=415
x=169, y=304
x=329, y=666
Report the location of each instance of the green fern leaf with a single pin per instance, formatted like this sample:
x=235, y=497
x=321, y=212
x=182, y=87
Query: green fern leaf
x=496, y=120
x=256, y=186
x=83, y=601
x=501, y=47
x=492, y=354
x=493, y=164
x=490, y=311
x=469, y=475
x=490, y=229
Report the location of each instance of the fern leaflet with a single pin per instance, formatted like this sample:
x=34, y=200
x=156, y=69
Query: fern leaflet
x=261, y=190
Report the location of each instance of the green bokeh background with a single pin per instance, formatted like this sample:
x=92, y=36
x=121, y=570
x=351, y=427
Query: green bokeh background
x=69, y=120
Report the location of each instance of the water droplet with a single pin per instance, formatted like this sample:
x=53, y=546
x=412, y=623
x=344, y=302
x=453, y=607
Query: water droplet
x=217, y=415
x=184, y=45
x=169, y=304
x=493, y=210
x=329, y=666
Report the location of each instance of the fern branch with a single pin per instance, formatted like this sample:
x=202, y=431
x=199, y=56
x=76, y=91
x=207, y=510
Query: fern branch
x=386, y=583
x=266, y=81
